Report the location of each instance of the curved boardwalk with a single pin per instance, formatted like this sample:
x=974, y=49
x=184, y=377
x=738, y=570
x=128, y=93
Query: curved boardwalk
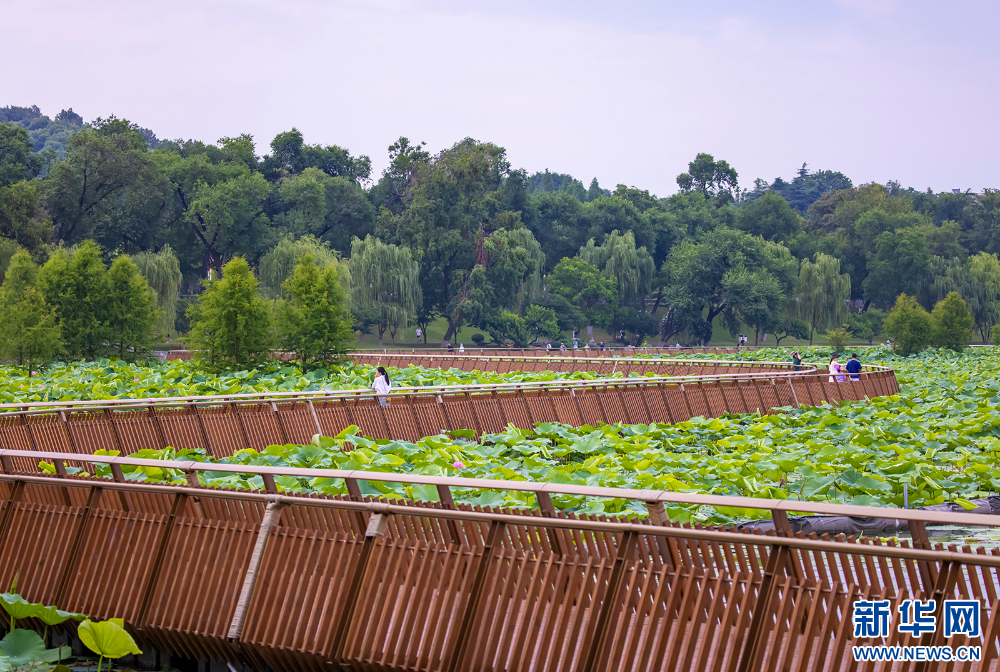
x=224, y=424
x=261, y=580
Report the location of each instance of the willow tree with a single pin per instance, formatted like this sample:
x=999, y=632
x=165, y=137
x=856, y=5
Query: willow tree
x=631, y=267
x=822, y=292
x=982, y=292
x=385, y=283
x=278, y=264
x=531, y=287
x=163, y=273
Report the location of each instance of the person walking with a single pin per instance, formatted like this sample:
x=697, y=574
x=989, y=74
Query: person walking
x=382, y=386
x=461, y=348
x=602, y=346
x=451, y=348
x=562, y=348
x=586, y=349
x=854, y=367
x=796, y=361
x=548, y=346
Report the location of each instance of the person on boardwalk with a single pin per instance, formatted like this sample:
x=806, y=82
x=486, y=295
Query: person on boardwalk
x=854, y=367
x=451, y=348
x=586, y=349
x=796, y=361
x=562, y=348
x=602, y=346
x=382, y=385
x=461, y=348
x=834, y=369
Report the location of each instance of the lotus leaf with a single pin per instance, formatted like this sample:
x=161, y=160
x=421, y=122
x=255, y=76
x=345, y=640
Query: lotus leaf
x=108, y=639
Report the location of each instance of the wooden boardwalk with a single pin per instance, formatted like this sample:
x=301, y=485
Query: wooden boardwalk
x=677, y=391
x=318, y=583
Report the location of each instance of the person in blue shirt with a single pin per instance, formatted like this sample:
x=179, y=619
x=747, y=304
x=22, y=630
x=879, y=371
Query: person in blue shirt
x=854, y=367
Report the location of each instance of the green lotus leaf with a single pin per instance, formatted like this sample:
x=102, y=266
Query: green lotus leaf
x=107, y=639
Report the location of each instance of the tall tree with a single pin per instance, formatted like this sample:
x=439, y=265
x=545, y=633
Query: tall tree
x=316, y=322
x=163, y=273
x=75, y=283
x=897, y=265
x=385, y=280
x=710, y=177
x=951, y=323
x=231, y=323
x=280, y=261
x=583, y=285
x=909, y=326
x=822, y=292
x=630, y=267
x=29, y=332
x=22, y=219
x=769, y=217
x=18, y=160
x=132, y=311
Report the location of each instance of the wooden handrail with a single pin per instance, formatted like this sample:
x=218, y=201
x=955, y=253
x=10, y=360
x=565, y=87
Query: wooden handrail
x=647, y=496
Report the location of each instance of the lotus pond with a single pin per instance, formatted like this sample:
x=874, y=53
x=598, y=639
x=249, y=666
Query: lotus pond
x=940, y=437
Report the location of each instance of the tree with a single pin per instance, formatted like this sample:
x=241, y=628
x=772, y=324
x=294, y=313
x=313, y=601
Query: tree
x=277, y=265
x=582, y=284
x=541, y=322
x=107, y=189
x=838, y=338
x=385, y=280
x=315, y=321
x=230, y=217
x=909, y=326
x=710, y=177
x=822, y=292
x=631, y=268
x=75, y=284
x=867, y=325
x=29, y=332
x=898, y=264
x=333, y=209
x=790, y=326
x=132, y=311
x=163, y=273
x=951, y=323
x=727, y=273
x=508, y=326
x=22, y=218
x=769, y=217
x=18, y=160
x=231, y=323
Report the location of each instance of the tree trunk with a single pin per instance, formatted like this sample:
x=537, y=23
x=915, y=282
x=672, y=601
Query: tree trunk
x=450, y=333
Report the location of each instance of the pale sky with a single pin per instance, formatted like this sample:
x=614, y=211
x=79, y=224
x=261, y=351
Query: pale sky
x=625, y=91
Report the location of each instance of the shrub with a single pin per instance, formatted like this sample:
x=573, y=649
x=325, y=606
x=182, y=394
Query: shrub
x=838, y=338
x=909, y=326
x=478, y=339
x=951, y=323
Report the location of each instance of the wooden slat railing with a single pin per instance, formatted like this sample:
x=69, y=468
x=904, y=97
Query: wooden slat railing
x=225, y=424
x=325, y=582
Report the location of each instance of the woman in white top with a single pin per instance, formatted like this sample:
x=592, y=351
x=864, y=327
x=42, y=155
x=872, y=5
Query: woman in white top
x=461, y=348
x=382, y=385
x=834, y=368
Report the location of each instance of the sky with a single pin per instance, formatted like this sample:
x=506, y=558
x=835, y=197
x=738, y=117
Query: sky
x=627, y=92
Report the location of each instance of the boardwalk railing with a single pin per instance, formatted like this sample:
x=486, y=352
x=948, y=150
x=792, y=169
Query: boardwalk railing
x=261, y=578
x=225, y=424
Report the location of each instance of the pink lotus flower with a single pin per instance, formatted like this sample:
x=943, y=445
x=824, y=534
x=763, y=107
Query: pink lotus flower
x=458, y=465
x=135, y=380
x=34, y=373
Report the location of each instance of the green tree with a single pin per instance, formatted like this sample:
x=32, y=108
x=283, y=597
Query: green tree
x=542, y=322
x=22, y=219
x=316, y=322
x=18, y=160
x=132, y=311
x=583, y=285
x=708, y=176
x=867, y=325
x=75, y=283
x=822, y=292
x=333, y=209
x=386, y=281
x=277, y=265
x=630, y=267
x=909, y=326
x=509, y=326
x=727, y=273
x=29, y=332
x=163, y=273
x=838, y=338
x=898, y=264
x=951, y=323
x=231, y=323
x=770, y=217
